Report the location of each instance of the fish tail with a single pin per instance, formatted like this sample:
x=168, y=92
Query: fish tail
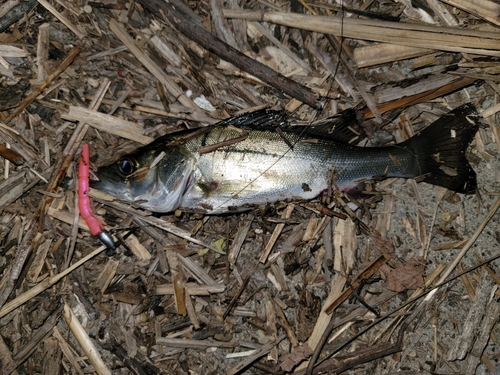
x=440, y=150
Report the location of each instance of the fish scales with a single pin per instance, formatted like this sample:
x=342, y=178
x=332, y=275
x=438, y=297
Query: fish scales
x=254, y=164
x=263, y=168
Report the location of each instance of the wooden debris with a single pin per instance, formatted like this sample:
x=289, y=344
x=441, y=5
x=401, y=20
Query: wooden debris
x=297, y=291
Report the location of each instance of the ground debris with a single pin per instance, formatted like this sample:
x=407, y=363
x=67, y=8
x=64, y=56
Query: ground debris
x=335, y=284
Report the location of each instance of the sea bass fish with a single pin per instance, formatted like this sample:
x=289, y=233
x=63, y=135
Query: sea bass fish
x=259, y=158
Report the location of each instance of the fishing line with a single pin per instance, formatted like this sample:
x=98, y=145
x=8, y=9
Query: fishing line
x=291, y=145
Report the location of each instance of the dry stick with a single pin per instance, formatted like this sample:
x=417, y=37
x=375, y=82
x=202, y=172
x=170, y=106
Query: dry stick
x=422, y=97
x=414, y=35
x=45, y=284
x=85, y=342
x=182, y=19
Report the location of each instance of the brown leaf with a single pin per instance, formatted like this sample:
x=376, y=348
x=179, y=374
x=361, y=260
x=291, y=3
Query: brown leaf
x=382, y=245
x=298, y=354
x=407, y=275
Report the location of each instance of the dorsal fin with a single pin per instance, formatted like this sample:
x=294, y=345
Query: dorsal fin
x=341, y=127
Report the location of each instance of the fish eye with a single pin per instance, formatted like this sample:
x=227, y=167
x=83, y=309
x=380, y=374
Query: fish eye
x=126, y=166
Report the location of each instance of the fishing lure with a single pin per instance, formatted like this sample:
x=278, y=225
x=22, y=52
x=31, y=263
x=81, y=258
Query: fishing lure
x=95, y=226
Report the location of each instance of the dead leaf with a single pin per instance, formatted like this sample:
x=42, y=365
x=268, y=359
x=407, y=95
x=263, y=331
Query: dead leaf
x=407, y=275
x=382, y=245
x=298, y=354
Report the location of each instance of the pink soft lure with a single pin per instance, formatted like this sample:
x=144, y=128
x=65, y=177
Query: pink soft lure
x=95, y=226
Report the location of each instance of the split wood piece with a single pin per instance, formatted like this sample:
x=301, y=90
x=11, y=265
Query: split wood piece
x=39, y=261
x=191, y=312
x=166, y=50
x=179, y=294
x=485, y=9
x=193, y=344
x=382, y=53
x=272, y=329
x=45, y=284
x=11, y=51
x=42, y=51
x=178, y=282
x=290, y=333
x=344, y=246
x=221, y=25
x=191, y=288
x=107, y=123
x=196, y=271
x=182, y=19
x=67, y=217
x=256, y=354
x=66, y=22
x=423, y=97
x=157, y=108
x=106, y=275
x=238, y=240
x=367, y=97
x=154, y=69
x=465, y=341
x=407, y=34
x=11, y=155
x=162, y=93
x=363, y=275
x=392, y=94
x=448, y=18
x=33, y=343
x=469, y=287
x=276, y=233
x=118, y=102
x=67, y=351
x=138, y=248
x=85, y=342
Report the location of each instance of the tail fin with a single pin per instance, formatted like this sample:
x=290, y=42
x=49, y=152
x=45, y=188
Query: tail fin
x=440, y=150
